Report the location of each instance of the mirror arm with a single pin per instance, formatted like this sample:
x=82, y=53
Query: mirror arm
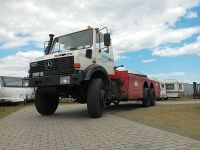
x=104, y=28
x=102, y=48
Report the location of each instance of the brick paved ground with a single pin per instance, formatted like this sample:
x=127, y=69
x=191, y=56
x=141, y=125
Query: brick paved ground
x=71, y=128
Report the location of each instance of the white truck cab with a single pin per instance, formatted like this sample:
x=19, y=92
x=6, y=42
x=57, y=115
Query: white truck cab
x=87, y=48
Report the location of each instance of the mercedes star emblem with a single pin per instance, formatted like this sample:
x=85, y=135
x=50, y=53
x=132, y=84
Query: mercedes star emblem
x=48, y=65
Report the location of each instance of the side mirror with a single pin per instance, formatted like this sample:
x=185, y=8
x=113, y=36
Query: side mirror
x=107, y=39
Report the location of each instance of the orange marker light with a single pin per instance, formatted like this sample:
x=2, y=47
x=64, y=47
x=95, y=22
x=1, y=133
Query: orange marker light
x=77, y=65
x=89, y=27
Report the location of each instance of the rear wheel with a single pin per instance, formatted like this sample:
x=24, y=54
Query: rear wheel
x=152, y=97
x=108, y=103
x=96, y=98
x=146, y=98
x=46, y=104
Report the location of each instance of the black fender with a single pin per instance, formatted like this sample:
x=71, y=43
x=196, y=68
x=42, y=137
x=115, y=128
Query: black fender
x=97, y=71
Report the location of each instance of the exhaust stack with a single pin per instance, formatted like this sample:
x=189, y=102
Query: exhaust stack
x=48, y=48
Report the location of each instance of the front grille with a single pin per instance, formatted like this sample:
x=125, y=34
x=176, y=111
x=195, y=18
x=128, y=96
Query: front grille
x=59, y=66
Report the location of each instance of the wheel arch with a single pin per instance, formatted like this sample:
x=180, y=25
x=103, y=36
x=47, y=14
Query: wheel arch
x=151, y=86
x=145, y=84
x=97, y=71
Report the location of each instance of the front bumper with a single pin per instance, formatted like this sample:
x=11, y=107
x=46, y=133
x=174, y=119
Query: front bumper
x=53, y=80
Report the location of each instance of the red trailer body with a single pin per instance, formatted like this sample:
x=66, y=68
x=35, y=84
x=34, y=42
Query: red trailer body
x=132, y=85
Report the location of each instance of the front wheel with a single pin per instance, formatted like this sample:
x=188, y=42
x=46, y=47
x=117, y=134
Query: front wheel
x=46, y=104
x=95, y=98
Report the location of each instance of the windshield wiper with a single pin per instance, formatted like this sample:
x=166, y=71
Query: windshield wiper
x=73, y=48
x=55, y=52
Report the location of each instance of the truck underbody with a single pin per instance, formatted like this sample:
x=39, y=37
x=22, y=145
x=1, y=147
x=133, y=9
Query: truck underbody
x=122, y=86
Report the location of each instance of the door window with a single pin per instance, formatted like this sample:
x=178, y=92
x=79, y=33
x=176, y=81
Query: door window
x=100, y=43
x=136, y=83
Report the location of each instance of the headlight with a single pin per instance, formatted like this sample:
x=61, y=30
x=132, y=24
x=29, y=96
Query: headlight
x=38, y=74
x=25, y=82
x=65, y=80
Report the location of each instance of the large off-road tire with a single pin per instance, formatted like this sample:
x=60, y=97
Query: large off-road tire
x=152, y=97
x=46, y=104
x=146, y=98
x=96, y=98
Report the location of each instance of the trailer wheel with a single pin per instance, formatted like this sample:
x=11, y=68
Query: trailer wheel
x=96, y=98
x=152, y=97
x=46, y=104
x=146, y=98
x=116, y=103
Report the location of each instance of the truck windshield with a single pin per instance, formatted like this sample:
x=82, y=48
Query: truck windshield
x=75, y=41
x=12, y=81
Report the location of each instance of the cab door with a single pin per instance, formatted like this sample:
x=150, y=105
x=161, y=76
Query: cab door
x=104, y=54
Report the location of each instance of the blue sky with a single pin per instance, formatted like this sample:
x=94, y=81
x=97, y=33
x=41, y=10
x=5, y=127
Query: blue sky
x=159, y=39
x=187, y=66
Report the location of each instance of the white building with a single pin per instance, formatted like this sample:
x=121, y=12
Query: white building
x=188, y=89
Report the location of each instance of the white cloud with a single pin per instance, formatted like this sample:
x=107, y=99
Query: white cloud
x=191, y=15
x=149, y=60
x=187, y=77
x=193, y=48
x=18, y=64
x=171, y=75
x=135, y=24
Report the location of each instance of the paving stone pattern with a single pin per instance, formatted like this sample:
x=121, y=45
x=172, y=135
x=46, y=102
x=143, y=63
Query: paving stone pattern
x=71, y=128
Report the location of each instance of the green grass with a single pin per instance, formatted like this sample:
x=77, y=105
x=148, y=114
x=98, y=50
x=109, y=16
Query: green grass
x=185, y=98
x=180, y=119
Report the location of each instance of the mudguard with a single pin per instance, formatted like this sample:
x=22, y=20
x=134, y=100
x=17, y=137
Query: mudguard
x=98, y=70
